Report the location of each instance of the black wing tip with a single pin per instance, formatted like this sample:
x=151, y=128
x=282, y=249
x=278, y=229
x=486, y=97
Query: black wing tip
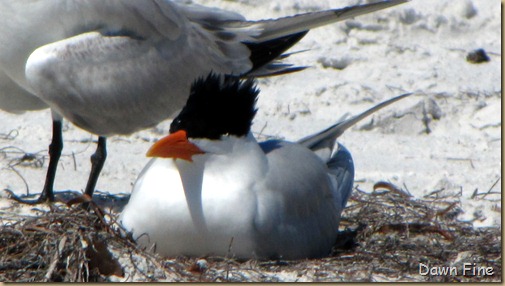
x=263, y=53
x=276, y=71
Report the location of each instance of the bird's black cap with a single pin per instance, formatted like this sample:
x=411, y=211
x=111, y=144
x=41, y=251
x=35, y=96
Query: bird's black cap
x=218, y=105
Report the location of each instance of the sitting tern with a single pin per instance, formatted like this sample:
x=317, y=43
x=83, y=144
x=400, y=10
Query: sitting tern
x=119, y=66
x=214, y=190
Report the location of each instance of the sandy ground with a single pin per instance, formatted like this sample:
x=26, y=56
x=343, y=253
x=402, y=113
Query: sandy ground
x=445, y=137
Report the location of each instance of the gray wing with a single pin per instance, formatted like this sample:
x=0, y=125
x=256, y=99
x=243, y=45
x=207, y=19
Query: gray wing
x=272, y=29
x=126, y=65
x=117, y=66
x=268, y=39
x=339, y=160
x=322, y=143
x=341, y=166
x=30, y=24
x=296, y=191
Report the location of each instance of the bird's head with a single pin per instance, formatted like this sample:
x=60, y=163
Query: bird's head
x=217, y=106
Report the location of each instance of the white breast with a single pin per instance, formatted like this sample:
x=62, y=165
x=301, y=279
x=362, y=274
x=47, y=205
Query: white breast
x=269, y=207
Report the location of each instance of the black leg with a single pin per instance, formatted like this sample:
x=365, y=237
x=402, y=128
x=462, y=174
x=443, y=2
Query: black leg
x=97, y=162
x=54, y=156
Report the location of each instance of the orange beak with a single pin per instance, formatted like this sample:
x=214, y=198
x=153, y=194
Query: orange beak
x=176, y=146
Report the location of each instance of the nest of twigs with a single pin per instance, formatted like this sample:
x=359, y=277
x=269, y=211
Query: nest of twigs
x=385, y=235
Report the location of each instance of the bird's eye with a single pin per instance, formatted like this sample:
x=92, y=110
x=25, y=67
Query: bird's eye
x=174, y=126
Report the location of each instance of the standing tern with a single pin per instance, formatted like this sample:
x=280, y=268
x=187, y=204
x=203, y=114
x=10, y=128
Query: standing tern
x=119, y=66
x=214, y=190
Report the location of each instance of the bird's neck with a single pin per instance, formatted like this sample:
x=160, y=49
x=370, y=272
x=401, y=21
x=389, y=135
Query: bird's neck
x=228, y=156
x=232, y=160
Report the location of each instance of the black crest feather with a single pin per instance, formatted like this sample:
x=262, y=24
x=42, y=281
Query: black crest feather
x=217, y=106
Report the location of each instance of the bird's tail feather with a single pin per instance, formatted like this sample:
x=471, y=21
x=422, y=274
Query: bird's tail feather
x=272, y=37
x=275, y=28
x=327, y=137
x=263, y=53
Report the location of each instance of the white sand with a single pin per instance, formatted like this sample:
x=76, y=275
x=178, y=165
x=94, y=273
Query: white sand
x=417, y=47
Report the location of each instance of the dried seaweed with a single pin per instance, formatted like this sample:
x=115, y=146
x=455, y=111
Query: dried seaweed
x=385, y=235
